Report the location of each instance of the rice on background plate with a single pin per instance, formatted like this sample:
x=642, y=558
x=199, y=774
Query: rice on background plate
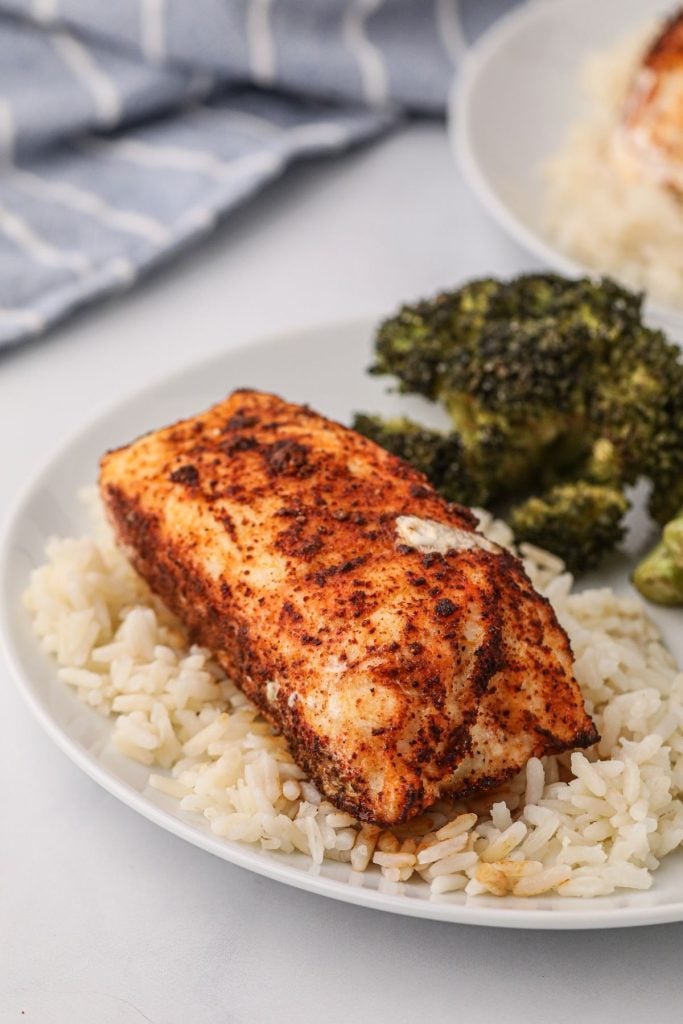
x=595, y=209
x=581, y=824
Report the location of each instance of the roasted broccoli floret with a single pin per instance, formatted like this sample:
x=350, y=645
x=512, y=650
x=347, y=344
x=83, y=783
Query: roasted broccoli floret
x=634, y=412
x=431, y=346
x=548, y=381
x=416, y=444
x=439, y=456
x=511, y=362
x=577, y=521
x=659, y=577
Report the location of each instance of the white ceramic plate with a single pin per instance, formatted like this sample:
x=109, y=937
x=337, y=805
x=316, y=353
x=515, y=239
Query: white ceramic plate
x=325, y=368
x=516, y=99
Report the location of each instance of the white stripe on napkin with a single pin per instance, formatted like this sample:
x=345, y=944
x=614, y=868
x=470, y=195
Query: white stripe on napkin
x=44, y=11
x=100, y=88
x=152, y=30
x=7, y=131
x=450, y=28
x=89, y=203
x=177, y=158
x=368, y=56
x=29, y=319
x=260, y=41
x=40, y=250
x=324, y=133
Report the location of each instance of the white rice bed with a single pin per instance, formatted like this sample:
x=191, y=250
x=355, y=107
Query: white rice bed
x=598, y=207
x=581, y=824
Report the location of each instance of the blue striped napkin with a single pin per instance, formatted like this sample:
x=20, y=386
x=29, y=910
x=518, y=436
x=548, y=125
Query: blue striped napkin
x=127, y=127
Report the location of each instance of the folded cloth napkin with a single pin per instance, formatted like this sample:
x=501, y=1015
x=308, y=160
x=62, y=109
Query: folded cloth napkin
x=128, y=127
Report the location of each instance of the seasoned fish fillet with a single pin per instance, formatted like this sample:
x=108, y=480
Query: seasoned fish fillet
x=650, y=140
x=313, y=564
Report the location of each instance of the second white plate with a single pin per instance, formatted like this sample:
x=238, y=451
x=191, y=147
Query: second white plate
x=515, y=100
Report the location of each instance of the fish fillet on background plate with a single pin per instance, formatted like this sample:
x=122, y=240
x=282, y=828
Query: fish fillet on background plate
x=650, y=139
x=400, y=652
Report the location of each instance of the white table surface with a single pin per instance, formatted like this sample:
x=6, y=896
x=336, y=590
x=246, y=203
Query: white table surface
x=106, y=919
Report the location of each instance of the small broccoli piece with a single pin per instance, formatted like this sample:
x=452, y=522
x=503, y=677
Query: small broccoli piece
x=666, y=468
x=659, y=577
x=426, y=450
x=634, y=412
x=577, y=521
x=418, y=445
x=439, y=456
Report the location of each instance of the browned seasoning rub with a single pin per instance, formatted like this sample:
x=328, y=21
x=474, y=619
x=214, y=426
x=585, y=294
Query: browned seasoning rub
x=395, y=675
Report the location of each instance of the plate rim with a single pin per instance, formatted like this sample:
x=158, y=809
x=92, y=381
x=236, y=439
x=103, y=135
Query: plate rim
x=244, y=855
x=459, y=129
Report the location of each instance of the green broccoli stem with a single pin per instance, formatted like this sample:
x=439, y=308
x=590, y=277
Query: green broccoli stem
x=659, y=577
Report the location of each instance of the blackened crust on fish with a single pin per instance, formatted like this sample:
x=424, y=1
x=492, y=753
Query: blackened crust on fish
x=288, y=458
x=185, y=475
